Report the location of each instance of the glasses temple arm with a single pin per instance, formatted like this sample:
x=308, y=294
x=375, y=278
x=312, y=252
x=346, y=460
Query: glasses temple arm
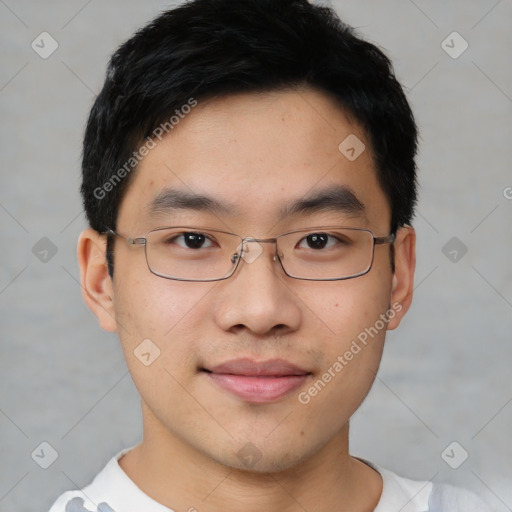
x=385, y=239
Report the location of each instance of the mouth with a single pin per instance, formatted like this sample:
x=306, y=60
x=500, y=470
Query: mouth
x=257, y=382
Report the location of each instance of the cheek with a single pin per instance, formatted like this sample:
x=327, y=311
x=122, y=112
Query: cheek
x=346, y=308
x=351, y=351
x=168, y=313
x=163, y=325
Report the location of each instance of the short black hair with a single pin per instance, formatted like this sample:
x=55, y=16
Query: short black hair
x=207, y=48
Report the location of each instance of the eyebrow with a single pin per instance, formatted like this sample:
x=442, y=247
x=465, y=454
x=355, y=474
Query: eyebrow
x=339, y=198
x=170, y=200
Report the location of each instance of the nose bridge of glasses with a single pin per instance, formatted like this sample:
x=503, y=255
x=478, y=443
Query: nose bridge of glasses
x=250, y=248
x=260, y=240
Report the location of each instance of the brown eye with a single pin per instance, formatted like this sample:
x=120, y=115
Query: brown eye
x=317, y=240
x=194, y=240
x=191, y=240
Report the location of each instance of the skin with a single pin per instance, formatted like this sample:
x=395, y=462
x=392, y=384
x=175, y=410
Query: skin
x=256, y=152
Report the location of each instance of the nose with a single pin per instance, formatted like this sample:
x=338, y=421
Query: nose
x=258, y=297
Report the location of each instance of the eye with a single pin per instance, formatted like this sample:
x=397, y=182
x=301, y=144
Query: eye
x=192, y=240
x=317, y=241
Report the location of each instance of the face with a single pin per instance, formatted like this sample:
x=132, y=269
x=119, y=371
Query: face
x=258, y=358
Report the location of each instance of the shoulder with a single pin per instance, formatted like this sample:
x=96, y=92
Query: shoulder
x=446, y=498
x=93, y=498
x=404, y=494
x=399, y=493
x=77, y=501
x=111, y=491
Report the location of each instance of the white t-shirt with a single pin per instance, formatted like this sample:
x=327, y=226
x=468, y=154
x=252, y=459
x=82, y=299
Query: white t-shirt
x=113, y=491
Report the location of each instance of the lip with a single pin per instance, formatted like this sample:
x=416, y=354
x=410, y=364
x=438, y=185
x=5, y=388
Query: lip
x=257, y=381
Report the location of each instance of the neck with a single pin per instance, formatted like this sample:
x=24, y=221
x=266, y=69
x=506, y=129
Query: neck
x=179, y=477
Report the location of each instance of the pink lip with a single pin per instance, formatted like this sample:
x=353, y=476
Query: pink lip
x=258, y=382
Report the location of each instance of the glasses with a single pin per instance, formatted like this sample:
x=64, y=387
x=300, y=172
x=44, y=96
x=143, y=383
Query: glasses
x=187, y=253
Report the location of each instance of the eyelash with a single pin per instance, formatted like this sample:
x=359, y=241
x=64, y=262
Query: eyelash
x=182, y=236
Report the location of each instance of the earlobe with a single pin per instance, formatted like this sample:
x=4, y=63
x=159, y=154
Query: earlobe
x=97, y=288
x=403, y=278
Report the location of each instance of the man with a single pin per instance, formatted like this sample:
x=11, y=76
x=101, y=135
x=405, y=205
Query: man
x=249, y=179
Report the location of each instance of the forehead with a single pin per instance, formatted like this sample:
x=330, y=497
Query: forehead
x=257, y=158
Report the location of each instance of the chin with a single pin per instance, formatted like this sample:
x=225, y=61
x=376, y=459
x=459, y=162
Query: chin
x=248, y=457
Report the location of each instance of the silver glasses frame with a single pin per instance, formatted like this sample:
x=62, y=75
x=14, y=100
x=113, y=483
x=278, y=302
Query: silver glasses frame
x=236, y=257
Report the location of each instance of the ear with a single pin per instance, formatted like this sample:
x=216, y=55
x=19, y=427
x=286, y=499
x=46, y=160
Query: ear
x=403, y=278
x=97, y=288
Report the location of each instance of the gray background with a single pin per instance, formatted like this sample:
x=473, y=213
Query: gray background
x=446, y=372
